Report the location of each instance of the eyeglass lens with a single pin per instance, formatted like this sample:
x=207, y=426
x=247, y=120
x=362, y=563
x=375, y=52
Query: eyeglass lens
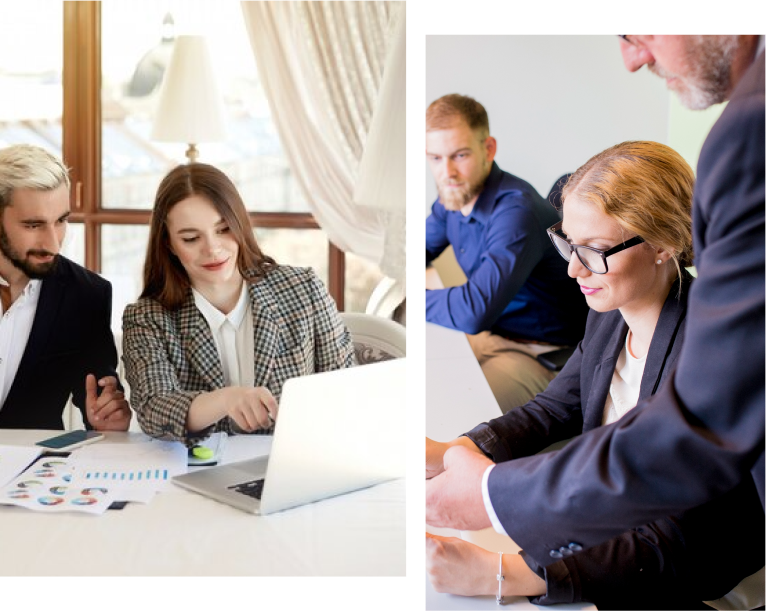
x=589, y=258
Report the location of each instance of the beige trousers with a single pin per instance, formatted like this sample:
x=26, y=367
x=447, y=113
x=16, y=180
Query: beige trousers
x=512, y=371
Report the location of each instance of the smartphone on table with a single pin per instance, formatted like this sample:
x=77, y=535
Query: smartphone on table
x=69, y=441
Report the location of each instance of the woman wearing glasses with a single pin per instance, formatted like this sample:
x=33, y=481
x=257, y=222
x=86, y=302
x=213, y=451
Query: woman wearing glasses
x=626, y=232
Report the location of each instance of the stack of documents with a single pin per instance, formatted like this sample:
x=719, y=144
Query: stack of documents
x=91, y=478
x=137, y=470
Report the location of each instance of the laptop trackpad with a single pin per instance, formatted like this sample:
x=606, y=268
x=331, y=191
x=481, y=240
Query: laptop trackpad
x=249, y=469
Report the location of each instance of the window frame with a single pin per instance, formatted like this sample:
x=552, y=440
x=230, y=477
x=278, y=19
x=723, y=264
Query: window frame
x=81, y=127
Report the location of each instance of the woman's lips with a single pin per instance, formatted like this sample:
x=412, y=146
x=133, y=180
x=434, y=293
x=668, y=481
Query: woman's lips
x=215, y=266
x=587, y=290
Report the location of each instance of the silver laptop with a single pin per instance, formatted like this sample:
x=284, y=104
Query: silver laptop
x=336, y=432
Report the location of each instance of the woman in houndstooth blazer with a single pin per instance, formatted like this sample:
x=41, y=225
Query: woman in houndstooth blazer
x=219, y=326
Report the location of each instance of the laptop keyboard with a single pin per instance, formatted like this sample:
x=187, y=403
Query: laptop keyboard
x=253, y=489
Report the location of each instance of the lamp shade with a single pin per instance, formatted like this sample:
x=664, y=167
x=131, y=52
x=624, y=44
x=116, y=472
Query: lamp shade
x=190, y=107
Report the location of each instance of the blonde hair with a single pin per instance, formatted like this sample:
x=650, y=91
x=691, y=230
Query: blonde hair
x=647, y=188
x=444, y=112
x=24, y=166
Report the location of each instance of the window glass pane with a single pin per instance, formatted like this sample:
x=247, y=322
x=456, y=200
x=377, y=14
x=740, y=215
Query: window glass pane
x=74, y=243
x=297, y=247
x=31, y=57
x=362, y=277
x=123, y=249
x=137, y=42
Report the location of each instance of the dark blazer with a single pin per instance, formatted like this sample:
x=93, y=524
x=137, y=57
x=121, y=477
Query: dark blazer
x=703, y=432
x=70, y=338
x=171, y=358
x=659, y=565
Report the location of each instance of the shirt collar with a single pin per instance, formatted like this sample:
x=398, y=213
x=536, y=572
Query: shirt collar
x=484, y=206
x=215, y=317
x=31, y=289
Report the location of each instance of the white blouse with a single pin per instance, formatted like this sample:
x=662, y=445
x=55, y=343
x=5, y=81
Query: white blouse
x=233, y=337
x=625, y=386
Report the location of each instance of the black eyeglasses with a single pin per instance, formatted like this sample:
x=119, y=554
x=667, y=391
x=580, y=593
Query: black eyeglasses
x=592, y=258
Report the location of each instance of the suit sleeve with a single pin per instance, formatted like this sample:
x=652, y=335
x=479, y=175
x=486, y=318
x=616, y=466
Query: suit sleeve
x=161, y=404
x=703, y=432
x=333, y=346
x=100, y=356
x=514, y=246
x=676, y=561
x=553, y=415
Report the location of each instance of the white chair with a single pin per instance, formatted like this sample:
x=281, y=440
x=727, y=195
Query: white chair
x=375, y=338
x=388, y=300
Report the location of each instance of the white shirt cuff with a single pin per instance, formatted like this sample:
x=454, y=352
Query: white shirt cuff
x=488, y=504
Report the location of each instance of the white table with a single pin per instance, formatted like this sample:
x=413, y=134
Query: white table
x=183, y=533
x=457, y=399
x=457, y=394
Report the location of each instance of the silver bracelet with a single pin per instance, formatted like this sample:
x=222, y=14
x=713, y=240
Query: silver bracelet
x=500, y=580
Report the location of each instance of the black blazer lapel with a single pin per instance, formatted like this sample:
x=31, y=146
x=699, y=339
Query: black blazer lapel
x=48, y=307
x=611, y=336
x=667, y=333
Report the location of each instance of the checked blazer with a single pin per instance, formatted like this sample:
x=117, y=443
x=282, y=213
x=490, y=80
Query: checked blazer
x=171, y=358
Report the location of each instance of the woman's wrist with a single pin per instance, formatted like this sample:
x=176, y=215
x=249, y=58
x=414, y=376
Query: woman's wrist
x=520, y=580
x=206, y=409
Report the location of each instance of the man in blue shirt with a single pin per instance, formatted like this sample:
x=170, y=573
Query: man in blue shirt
x=518, y=301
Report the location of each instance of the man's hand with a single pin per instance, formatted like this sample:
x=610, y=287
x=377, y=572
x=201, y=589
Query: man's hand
x=108, y=411
x=453, y=498
x=435, y=457
x=435, y=453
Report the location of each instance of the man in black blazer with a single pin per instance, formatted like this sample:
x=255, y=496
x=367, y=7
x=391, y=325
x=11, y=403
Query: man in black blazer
x=55, y=339
x=703, y=432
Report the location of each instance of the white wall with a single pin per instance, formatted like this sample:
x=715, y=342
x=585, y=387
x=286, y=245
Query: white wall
x=553, y=101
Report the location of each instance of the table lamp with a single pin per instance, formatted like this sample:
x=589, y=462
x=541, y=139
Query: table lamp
x=190, y=107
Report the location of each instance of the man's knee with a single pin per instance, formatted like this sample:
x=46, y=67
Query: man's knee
x=515, y=379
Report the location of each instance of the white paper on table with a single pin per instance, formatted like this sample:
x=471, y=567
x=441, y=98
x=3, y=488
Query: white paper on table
x=132, y=494
x=14, y=459
x=48, y=486
x=138, y=469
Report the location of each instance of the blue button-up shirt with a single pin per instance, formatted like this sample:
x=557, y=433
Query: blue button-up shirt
x=517, y=283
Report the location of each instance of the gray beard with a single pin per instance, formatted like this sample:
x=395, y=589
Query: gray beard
x=709, y=80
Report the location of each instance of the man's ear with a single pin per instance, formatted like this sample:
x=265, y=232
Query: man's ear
x=490, y=145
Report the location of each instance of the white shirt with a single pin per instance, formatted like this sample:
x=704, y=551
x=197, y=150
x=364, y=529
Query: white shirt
x=233, y=337
x=15, y=327
x=625, y=386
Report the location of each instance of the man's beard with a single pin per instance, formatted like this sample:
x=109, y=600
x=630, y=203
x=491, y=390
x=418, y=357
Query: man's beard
x=708, y=80
x=454, y=199
x=34, y=272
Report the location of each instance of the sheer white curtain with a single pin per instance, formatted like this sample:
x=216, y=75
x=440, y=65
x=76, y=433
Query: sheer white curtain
x=321, y=66
x=382, y=171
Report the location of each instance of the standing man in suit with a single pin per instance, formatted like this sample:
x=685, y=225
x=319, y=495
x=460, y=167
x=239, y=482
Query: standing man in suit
x=518, y=301
x=703, y=432
x=55, y=339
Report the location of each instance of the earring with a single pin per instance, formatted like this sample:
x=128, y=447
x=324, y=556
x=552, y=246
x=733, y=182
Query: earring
x=659, y=261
